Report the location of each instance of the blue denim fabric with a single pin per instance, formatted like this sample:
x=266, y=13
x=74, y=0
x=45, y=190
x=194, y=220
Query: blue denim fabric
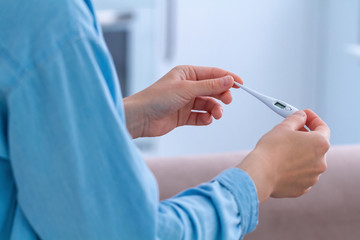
x=68, y=167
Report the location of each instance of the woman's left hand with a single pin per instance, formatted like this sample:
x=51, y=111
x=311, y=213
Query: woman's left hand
x=184, y=96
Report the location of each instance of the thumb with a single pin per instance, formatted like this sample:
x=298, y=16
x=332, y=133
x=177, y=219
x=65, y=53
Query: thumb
x=211, y=86
x=296, y=121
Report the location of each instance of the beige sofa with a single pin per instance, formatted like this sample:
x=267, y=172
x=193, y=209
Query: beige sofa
x=330, y=211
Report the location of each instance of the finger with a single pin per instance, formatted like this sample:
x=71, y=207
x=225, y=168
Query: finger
x=209, y=105
x=210, y=87
x=199, y=119
x=203, y=73
x=225, y=97
x=295, y=121
x=315, y=123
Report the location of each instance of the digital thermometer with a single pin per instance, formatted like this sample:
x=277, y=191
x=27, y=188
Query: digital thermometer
x=278, y=106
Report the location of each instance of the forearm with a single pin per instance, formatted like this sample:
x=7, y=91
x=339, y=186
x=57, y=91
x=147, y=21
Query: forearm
x=225, y=208
x=260, y=172
x=174, y=175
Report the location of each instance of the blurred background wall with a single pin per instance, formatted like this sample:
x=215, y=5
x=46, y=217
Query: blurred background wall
x=305, y=52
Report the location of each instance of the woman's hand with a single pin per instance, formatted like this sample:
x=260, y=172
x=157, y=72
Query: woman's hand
x=176, y=99
x=289, y=160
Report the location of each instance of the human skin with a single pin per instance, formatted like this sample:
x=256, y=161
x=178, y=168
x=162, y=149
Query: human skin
x=286, y=162
x=171, y=101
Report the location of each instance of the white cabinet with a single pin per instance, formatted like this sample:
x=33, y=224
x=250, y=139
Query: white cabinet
x=135, y=20
x=122, y=4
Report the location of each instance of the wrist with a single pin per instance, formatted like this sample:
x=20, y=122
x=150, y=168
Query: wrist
x=261, y=172
x=134, y=116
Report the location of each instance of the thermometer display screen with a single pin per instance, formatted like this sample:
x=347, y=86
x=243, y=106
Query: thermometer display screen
x=279, y=105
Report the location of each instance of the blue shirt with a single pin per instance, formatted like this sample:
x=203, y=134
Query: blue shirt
x=68, y=167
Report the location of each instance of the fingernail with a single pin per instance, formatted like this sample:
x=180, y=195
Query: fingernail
x=226, y=80
x=301, y=113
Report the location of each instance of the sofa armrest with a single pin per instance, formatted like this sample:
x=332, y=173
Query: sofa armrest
x=179, y=173
x=331, y=210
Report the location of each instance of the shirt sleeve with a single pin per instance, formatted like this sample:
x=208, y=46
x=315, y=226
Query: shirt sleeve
x=78, y=173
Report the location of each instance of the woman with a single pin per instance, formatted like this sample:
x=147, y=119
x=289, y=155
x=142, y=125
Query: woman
x=68, y=166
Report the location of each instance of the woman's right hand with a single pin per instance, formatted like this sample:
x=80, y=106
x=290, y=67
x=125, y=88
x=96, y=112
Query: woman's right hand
x=288, y=160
